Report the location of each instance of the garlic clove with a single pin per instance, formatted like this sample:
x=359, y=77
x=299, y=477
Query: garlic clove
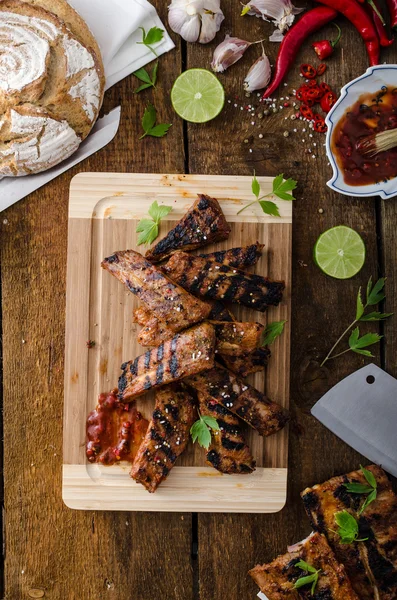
x=210, y=25
x=276, y=36
x=259, y=74
x=190, y=30
x=280, y=11
x=195, y=19
x=227, y=53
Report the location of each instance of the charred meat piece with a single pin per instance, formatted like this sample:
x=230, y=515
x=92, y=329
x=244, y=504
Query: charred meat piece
x=245, y=256
x=219, y=282
x=219, y=312
x=228, y=452
x=167, y=301
x=203, y=224
x=277, y=579
x=185, y=354
x=166, y=438
x=241, y=399
x=245, y=364
x=371, y=565
x=235, y=339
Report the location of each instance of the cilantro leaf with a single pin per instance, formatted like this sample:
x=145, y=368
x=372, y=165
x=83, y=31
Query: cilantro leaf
x=149, y=228
x=305, y=566
x=281, y=187
x=201, y=430
x=307, y=579
x=154, y=72
x=369, y=339
x=272, y=331
x=159, y=130
x=374, y=293
x=376, y=316
x=154, y=35
x=256, y=188
x=358, y=488
x=148, y=123
x=158, y=212
x=347, y=528
x=143, y=75
x=148, y=81
x=370, y=498
x=269, y=208
x=370, y=477
x=360, y=306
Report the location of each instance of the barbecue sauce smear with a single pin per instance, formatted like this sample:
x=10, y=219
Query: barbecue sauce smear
x=371, y=114
x=114, y=430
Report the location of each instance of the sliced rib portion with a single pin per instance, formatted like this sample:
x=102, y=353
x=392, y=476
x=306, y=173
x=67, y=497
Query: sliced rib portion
x=167, y=301
x=166, y=438
x=212, y=280
x=185, y=354
x=244, y=256
x=219, y=312
x=371, y=565
x=228, y=452
x=235, y=339
x=245, y=364
x=241, y=399
x=203, y=224
x=277, y=579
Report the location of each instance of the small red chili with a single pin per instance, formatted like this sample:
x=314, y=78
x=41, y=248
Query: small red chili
x=308, y=101
x=314, y=93
x=325, y=87
x=327, y=101
x=300, y=94
x=306, y=112
x=322, y=67
x=325, y=48
x=308, y=71
x=319, y=125
x=311, y=83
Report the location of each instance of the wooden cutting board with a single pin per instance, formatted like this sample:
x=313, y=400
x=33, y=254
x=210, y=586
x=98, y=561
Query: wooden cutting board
x=104, y=210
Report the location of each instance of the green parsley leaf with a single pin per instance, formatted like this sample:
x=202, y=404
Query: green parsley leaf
x=272, y=331
x=148, y=123
x=281, y=187
x=149, y=228
x=360, y=306
x=201, y=430
x=256, y=188
x=154, y=35
x=269, y=208
x=148, y=81
x=305, y=566
x=154, y=72
x=370, y=498
x=143, y=75
x=376, y=316
x=369, y=339
x=158, y=212
x=374, y=293
x=358, y=488
x=307, y=579
x=369, y=476
x=348, y=528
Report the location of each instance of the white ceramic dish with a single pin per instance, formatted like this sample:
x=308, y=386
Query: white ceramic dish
x=371, y=81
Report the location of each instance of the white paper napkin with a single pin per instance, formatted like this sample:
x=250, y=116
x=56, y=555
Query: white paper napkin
x=115, y=25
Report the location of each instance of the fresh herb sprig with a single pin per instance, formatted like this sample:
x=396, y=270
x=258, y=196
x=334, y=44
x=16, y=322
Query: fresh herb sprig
x=148, y=80
x=347, y=528
x=374, y=295
x=201, y=430
x=311, y=577
x=370, y=488
x=280, y=189
x=153, y=36
x=149, y=123
x=272, y=331
x=149, y=228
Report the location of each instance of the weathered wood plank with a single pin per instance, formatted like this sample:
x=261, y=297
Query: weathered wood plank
x=70, y=554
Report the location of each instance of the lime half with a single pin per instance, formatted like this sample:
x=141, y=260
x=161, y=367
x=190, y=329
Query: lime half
x=340, y=252
x=197, y=96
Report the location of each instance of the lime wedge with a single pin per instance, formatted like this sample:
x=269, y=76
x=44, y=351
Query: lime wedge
x=340, y=252
x=197, y=96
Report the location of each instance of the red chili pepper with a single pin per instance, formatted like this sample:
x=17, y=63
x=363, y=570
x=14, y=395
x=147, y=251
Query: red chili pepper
x=310, y=22
x=392, y=6
x=314, y=93
x=325, y=48
x=308, y=71
x=300, y=94
x=325, y=87
x=319, y=125
x=362, y=22
x=306, y=112
x=327, y=101
x=322, y=67
x=374, y=11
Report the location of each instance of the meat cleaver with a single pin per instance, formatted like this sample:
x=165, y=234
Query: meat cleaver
x=362, y=410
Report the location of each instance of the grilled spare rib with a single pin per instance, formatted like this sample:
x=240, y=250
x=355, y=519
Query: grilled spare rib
x=250, y=362
x=167, y=301
x=371, y=565
x=220, y=282
x=166, y=438
x=228, y=452
x=186, y=353
x=237, y=338
x=203, y=224
x=219, y=312
x=244, y=256
x=241, y=399
x=277, y=579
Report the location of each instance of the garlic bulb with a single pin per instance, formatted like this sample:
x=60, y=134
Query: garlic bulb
x=195, y=20
x=282, y=12
x=259, y=74
x=227, y=53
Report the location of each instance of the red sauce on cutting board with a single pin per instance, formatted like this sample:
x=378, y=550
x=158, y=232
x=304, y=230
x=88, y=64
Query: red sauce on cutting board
x=371, y=114
x=114, y=430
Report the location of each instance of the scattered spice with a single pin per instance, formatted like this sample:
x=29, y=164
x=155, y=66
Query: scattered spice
x=90, y=344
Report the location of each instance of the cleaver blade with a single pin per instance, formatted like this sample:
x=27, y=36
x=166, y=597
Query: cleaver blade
x=362, y=411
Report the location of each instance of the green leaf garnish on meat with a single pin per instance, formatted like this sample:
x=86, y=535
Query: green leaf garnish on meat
x=201, y=430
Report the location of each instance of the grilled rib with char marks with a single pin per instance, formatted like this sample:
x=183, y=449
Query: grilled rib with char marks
x=203, y=224
x=277, y=579
x=244, y=256
x=245, y=364
x=167, y=301
x=228, y=452
x=166, y=438
x=186, y=353
x=235, y=339
x=241, y=399
x=220, y=282
x=371, y=565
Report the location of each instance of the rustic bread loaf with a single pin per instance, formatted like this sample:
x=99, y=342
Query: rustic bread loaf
x=51, y=84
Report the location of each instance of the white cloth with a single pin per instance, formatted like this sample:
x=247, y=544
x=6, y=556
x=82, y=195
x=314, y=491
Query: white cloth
x=115, y=25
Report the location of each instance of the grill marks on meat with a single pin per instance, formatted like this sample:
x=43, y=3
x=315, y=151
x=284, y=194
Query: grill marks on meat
x=245, y=364
x=203, y=224
x=219, y=312
x=220, y=282
x=167, y=301
x=228, y=452
x=241, y=399
x=166, y=438
x=235, y=339
x=371, y=565
x=277, y=578
x=244, y=256
x=185, y=354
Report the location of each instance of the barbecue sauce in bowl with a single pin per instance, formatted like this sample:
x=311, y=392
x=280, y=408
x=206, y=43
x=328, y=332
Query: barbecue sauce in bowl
x=371, y=114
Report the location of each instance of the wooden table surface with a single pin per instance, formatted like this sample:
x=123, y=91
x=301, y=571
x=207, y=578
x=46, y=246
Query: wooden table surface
x=60, y=554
